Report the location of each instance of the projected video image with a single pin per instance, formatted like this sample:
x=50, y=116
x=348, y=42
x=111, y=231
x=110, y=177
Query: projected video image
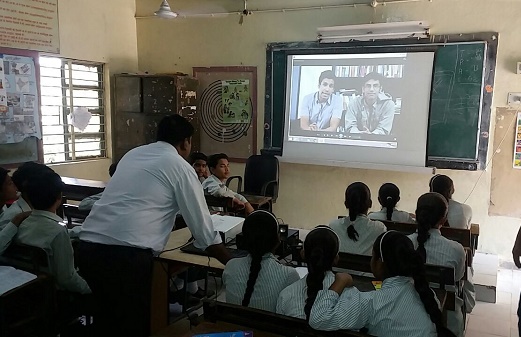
x=346, y=99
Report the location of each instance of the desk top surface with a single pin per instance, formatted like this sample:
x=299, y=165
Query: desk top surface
x=83, y=182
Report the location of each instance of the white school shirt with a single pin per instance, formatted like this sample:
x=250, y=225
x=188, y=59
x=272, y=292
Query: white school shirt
x=368, y=230
x=293, y=298
x=19, y=206
x=393, y=311
x=138, y=207
x=41, y=229
x=214, y=186
x=398, y=216
x=459, y=215
x=273, y=278
x=448, y=253
x=6, y=236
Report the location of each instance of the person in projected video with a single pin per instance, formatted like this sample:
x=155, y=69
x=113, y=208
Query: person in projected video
x=322, y=110
x=373, y=111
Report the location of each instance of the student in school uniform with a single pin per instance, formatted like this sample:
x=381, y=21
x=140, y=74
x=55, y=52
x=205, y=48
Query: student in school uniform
x=20, y=178
x=459, y=215
x=356, y=231
x=216, y=183
x=256, y=280
x=431, y=214
x=87, y=203
x=8, y=191
x=320, y=253
x=198, y=160
x=388, y=197
x=42, y=229
x=404, y=306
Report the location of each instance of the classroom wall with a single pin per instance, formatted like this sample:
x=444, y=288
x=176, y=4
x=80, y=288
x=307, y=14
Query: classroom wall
x=101, y=31
x=310, y=195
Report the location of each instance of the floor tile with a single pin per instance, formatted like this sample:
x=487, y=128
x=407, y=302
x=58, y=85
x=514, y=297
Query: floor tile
x=490, y=325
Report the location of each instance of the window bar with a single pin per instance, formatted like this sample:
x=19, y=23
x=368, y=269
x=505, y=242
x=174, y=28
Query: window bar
x=71, y=98
x=64, y=112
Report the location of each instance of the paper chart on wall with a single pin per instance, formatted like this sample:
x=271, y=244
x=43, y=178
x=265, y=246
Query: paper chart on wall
x=517, y=145
x=236, y=101
x=18, y=99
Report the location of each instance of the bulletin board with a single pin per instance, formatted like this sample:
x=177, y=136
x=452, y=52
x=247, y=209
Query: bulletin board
x=228, y=110
x=20, y=115
x=506, y=180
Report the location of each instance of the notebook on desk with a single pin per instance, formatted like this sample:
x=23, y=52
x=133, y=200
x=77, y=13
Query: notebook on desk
x=191, y=249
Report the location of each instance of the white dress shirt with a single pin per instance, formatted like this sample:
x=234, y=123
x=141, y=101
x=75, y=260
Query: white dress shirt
x=6, y=236
x=138, y=207
x=393, y=311
x=459, y=215
x=41, y=229
x=273, y=277
x=215, y=187
x=293, y=298
x=368, y=230
x=448, y=253
x=398, y=216
x=19, y=206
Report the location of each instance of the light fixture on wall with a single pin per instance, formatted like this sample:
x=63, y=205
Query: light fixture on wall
x=373, y=31
x=165, y=11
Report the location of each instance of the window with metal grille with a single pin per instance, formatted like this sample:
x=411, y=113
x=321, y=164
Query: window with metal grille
x=71, y=87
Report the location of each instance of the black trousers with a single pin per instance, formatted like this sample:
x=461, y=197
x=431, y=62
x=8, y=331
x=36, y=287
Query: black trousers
x=120, y=279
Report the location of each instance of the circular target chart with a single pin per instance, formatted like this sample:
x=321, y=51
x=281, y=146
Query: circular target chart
x=211, y=112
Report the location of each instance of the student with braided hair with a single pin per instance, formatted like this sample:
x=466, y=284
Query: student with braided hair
x=459, y=215
x=431, y=214
x=256, y=280
x=356, y=231
x=404, y=306
x=388, y=197
x=320, y=254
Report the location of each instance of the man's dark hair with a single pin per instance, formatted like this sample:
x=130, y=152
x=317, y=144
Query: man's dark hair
x=375, y=76
x=194, y=156
x=27, y=170
x=174, y=129
x=44, y=189
x=3, y=175
x=326, y=74
x=214, y=159
x=112, y=168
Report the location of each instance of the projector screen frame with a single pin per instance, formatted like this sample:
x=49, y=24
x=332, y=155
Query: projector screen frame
x=380, y=46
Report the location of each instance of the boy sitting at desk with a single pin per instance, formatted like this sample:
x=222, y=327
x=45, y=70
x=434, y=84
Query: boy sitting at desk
x=42, y=229
x=87, y=203
x=215, y=185
x=198, y=160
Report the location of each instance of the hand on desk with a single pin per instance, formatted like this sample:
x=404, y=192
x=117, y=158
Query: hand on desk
x=342, y=281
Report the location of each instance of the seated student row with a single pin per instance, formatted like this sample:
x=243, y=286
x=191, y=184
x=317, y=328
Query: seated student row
x=260, y=282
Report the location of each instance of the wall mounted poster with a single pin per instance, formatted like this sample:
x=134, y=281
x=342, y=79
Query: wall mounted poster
x=517, y=145
x=18, y=99
x=236, y=101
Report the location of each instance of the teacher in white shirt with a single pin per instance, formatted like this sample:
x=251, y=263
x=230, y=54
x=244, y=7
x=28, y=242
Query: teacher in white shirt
x=132, y=222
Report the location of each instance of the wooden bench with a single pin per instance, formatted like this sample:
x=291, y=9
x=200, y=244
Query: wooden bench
x=266, y=321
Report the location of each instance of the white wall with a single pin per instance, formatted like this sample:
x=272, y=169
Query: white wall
x=101, y=31
x=314, y=194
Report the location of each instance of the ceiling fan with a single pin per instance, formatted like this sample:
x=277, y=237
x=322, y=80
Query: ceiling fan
x=245, y=12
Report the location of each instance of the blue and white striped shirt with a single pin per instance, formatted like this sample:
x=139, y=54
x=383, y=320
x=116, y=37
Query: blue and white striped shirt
x=293, y=298
x=393, y=311
x=368, y=230
x=273, y=277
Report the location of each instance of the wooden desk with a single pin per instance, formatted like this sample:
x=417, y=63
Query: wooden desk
x=474, y=236
x=79, y=189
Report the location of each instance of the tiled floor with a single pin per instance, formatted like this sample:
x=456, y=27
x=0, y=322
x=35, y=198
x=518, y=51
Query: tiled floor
x=500, y=318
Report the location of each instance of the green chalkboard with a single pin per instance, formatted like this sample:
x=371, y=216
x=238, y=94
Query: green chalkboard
x=456, y=101
x=461, y=97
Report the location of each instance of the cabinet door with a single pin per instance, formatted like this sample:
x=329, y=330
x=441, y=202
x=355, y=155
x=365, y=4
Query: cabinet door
x=128, y=94
x=159, y=95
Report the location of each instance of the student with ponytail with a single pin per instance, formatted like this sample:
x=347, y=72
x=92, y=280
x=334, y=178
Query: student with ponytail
x=459, y=215
x=404, y=306
x=388, y=196
x=256, y=280
x=431, y=214
x=356, y=231
x=320, y=254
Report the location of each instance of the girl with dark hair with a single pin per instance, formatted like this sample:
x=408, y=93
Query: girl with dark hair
x=257, y=279
x=320, y=254
x=404, y=306
x=356, y=231
x=431, y=214
x=459, y=215
x=388, y=196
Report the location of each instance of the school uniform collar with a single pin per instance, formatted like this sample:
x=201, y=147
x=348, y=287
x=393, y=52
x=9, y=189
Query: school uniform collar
x=328, y=102
x=214, y=177
x=435, y=231
x=46, y=214
x=22, y=204
x=396, y=281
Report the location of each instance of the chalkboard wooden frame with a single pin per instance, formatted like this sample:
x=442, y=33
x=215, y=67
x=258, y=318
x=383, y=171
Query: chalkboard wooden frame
x=490, y=38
